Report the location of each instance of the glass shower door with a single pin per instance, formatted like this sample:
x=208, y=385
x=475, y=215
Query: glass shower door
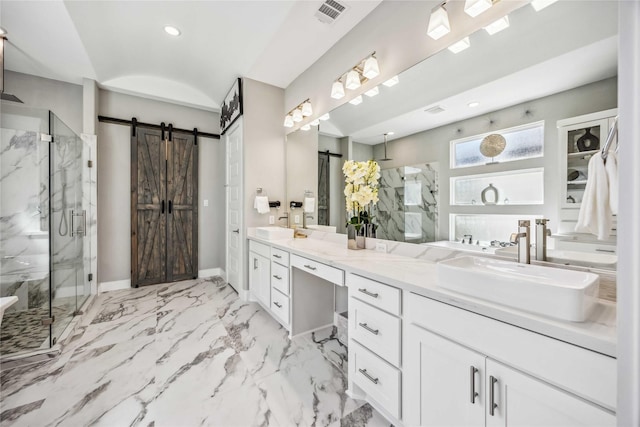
x=68, y=226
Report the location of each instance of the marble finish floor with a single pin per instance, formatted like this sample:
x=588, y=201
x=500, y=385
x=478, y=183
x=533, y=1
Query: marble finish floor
x=184, y=354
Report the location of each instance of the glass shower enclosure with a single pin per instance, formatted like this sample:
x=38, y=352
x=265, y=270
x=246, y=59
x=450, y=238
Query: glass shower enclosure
x=44, y=258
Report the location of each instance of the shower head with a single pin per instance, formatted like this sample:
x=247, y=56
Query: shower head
x=386, y=158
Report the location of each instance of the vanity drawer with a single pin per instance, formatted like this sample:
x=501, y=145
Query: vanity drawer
x=378, y=331
x=260, y=248
x=375, y=293
x=332, y=274
x=280, y=306
x=280, y=256
x=280, y=278
x=375, y=377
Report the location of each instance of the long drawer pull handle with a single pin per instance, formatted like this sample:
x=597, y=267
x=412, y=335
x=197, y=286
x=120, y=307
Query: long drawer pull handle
x=277, y=304
x=369, y=377
x=474, y=393
x=277, y=256
x=310, y=267
x=277, y=277
x=492, y=403
x=365, y=326
x=366, y=292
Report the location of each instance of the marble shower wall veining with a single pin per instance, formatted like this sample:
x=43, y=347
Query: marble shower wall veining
x=408, y=206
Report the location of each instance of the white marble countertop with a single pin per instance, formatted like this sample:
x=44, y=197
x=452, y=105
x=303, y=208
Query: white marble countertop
x=420, y=276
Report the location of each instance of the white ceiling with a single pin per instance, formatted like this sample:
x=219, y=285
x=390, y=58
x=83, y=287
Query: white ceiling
x=122, y=45
x=567, y=45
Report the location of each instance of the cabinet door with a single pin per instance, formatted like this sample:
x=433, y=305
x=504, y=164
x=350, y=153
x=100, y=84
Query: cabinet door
x=521, y=400
x=259, y=280
x=448, y=384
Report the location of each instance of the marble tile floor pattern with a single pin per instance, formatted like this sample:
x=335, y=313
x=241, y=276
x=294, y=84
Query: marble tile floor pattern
x=184, y=354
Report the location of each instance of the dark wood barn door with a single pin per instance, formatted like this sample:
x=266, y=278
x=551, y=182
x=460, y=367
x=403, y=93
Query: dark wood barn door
x=164, y=208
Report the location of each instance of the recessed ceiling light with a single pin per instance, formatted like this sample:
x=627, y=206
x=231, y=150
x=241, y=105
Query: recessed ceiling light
x=172, y=31
x=473, y=104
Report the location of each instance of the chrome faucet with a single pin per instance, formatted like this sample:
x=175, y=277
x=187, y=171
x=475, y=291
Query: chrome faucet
x=287, y=217
x=541, y=239
x=465, y=238
x=522, y=238
x=304, y=219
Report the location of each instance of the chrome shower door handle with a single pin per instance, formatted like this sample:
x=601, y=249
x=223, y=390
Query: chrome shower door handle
x=75, y=230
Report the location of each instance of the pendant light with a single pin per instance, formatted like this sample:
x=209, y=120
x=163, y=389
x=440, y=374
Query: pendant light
x=474, y=8
x=438, y=23
x=307, y=110
x=297, y=115
x=337, y=90
x=353, y=80
x=288, y=121
x=386, y=158
x=371, y=69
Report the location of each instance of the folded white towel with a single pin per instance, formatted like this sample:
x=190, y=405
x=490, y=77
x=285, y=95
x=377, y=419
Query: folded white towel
x=595, y=215
x=261, y=204
x=611, y=166
x=309, y=204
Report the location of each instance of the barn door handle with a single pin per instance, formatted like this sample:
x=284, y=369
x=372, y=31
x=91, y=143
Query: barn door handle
x=162, y=207
x=170, y=205
x=237, y=231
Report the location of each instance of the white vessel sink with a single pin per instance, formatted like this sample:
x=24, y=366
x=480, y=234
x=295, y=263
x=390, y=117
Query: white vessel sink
x=6, y=302
x=584, y=259
x=274, y=233
x=555, y=292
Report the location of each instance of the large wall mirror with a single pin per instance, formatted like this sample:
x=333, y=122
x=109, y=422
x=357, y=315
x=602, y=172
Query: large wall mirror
x=546, y=67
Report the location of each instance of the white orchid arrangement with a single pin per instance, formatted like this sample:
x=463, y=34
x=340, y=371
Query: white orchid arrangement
x=360, y=190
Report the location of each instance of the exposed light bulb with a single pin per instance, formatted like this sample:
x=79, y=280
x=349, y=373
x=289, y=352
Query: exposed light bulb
x=172, y=31
x=325, y=116
x=288, y=121
x=357, y=100
x=316, y=122
x=538, y=5
x=307, y=110
x=297, y=115
x=371, y=68
x=474, y=8
x=337, y=90
x=497, y=26
x=392, y=81
x=438, y=23
x=306, y=127
x=353, y=80
x=372, y=92
x=459, y=46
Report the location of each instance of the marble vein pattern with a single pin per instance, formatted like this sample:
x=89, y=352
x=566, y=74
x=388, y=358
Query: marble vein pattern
x=184, y=354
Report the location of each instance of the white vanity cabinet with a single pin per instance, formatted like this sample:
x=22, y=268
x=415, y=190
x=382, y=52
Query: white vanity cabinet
x=279, y=283
x=466, y=369
x=259, y=272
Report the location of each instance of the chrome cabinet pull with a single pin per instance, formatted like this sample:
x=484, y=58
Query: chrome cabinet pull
x=277, y=256
x=277, y=277
x=369, y=377
x=277, y=304
x=310, y=267
x=366, y=292
x=472, y=374
x=492, y=403
x=365, y=326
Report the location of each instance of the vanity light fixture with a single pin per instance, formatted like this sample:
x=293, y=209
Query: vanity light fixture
x=297, y=115
x=497, y=26
x=171, y=30
x=459, y=46
x=538, y=5
x=473, y=104
x=353, y=80
x=306, y=127
x=3, y=32
x=337, y=90
x=371, y=68
x=474, y=8
x=372, y=92
x=306, y=108
x=315, y=122
x=325, y=116
x=392, y=81
x=288, y=121
x=356, y=101
x=439, y=22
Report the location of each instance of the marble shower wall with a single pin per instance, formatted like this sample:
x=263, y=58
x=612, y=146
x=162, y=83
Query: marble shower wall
x=408, y=206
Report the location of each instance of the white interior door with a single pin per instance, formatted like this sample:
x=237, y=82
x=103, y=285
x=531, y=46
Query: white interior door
x=235, y=230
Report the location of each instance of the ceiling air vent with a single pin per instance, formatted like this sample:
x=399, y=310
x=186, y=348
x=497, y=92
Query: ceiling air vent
x=435, y=110
x=330, y=11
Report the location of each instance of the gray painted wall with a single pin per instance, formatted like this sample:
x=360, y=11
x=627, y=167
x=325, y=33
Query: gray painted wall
x=302, y=170
x=433, y=146
x=114, y=206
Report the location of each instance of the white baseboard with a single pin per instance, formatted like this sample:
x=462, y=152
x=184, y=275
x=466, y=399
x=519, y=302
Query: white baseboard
x=210, y=272
x=244, y=294
x=115, y=285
